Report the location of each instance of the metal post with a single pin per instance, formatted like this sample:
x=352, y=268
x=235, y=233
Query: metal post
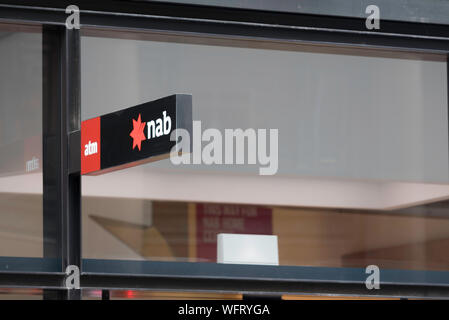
x=61, y=118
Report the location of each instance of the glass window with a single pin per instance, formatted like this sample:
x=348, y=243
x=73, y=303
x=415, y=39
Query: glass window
x=20, y=142
x=362, y=173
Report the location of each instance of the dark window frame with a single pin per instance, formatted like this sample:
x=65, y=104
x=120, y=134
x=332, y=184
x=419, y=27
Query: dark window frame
x=61, y=124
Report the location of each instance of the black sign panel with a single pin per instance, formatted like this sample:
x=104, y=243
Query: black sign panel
x=134, y=135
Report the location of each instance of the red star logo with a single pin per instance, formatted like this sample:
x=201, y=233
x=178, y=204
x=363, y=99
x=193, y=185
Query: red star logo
x=137, y=133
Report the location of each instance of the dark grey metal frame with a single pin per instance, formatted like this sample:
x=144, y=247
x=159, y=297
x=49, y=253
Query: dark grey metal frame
x=61, y=140
x=61, y=118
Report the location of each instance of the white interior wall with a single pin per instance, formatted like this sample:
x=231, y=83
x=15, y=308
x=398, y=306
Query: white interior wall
x=339, y=116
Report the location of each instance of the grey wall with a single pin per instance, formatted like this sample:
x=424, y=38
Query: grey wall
x=20, y=86
x=345, y=116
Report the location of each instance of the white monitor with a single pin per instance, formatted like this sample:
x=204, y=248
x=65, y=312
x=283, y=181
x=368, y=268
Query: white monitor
x=247, y=249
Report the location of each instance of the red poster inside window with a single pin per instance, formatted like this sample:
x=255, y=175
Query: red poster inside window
x=212, y=219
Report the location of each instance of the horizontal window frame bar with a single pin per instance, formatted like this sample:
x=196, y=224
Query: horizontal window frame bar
x=209, y=277
x=337, y=33
x=39, y=280
x=102, y=281
x=393, y=39
x=224, y=13
x=208, y=270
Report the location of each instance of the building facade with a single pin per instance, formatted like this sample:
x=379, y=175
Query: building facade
x=358, y=171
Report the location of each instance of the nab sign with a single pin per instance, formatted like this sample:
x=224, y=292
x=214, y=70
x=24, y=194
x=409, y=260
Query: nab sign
x=133, y=136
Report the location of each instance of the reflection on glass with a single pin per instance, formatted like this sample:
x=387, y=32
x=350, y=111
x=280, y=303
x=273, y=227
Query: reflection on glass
x=363, y=153
x=414, y=238
x=20, y=142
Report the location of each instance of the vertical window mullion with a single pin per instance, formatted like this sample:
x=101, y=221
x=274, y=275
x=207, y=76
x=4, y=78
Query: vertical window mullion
x=61, y=123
